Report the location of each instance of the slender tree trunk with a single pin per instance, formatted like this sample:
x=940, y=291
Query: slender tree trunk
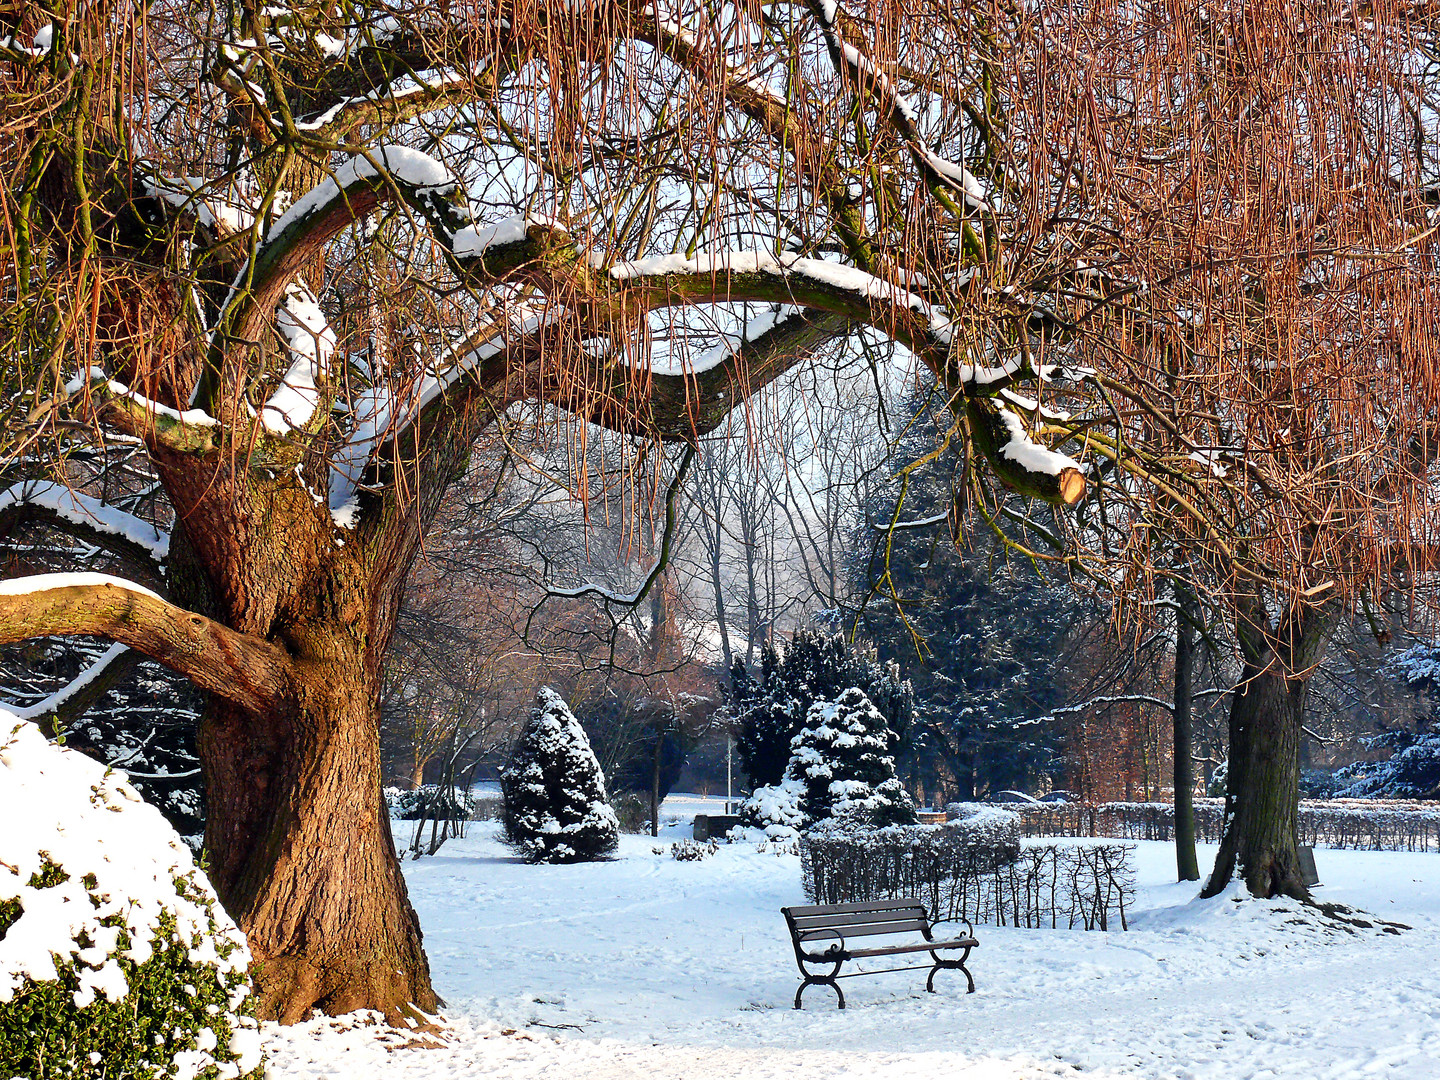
x=655, y=784
x=417, y=772
x=1187, y=865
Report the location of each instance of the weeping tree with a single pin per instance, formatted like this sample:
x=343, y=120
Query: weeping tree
x=1165, y=266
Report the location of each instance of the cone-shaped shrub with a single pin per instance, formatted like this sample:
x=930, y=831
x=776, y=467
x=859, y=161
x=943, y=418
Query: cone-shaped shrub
x=844, y=758
x=555, y=805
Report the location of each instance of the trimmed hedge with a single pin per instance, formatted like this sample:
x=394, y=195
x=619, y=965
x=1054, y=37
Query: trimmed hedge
x=116, y=958
x=1397, y=826
x=974, y=869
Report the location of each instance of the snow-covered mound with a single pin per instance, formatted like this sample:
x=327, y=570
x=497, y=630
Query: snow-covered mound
x=113, y=947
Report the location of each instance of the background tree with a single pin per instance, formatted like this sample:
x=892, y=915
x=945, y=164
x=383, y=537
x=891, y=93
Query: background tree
x=556, y=809
x=982, y=636
x=770, y=709
x=844, y=758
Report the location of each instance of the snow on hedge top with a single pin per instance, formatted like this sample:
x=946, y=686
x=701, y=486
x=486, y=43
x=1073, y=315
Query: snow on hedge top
x=60, y=807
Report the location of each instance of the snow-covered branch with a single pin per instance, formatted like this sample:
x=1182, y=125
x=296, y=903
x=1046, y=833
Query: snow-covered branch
x=190, y=431
x=61, y=698
x=77, y=512
x=862, y=73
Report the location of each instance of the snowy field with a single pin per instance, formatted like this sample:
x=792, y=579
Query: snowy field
x=649, y=967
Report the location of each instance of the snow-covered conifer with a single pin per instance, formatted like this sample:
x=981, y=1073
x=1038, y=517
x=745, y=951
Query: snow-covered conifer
x=844, y=759
x=555, y=804
x=775, y=808
x=1413, y=769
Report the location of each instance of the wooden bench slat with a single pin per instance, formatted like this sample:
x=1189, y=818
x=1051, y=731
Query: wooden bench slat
x=923, y=946
x=869, y=918
x=900, y=926
x=831, y=909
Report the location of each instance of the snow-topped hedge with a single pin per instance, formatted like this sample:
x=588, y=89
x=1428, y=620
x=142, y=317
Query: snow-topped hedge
x=116, y=958
x=974, y=869
x=1361, y=824
x=430, y=801
x=845, y=862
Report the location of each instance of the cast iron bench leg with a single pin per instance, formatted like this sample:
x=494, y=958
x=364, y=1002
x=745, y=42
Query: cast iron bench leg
x=960, y=964
x=819, y=982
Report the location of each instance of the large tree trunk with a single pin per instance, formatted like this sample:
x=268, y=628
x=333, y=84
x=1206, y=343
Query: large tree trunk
x=1187, y=865
x=302, y=855
x=297, y=836
x=1263, y=788
x=1262, y=793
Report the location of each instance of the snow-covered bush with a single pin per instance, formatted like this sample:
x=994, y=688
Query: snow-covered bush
x=776, y=809
x=555, y=804
x=843, y=757
x=812, y=666
x=430, y=801
x=116, y=958
x=693, y=850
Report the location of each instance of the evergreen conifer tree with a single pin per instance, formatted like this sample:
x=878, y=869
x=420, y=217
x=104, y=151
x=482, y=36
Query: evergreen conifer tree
x=812, y=666
x=981, y=635
x=844, y=756
x=556, y=810
x=1413, y=769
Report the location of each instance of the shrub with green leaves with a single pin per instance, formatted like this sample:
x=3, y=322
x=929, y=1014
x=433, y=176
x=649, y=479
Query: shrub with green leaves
x=116, y=958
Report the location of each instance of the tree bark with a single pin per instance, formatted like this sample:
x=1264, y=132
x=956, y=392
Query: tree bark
x=1187, y=865
x=297, y=834
x=1262, y=792
x=1263, y=788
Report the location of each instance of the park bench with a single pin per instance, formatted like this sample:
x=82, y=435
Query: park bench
x=822, y=934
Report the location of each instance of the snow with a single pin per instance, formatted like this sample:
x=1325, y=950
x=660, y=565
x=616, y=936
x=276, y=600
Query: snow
x=401, y=163
x=88, y=511
x=199, y=196
x=190, y=417
x=847, y=278
x=33, y=583
x=379, y=413
x=1029, y=454
x=473, y=241
x=96, y=827
x=311, y=342
x=647, y=966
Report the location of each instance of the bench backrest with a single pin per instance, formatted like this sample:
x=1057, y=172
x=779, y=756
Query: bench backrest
x=820, y=921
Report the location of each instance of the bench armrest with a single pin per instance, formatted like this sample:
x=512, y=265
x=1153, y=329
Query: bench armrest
x=969, y=930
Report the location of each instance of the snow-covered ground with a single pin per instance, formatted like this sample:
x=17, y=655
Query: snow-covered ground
x=649, y=967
